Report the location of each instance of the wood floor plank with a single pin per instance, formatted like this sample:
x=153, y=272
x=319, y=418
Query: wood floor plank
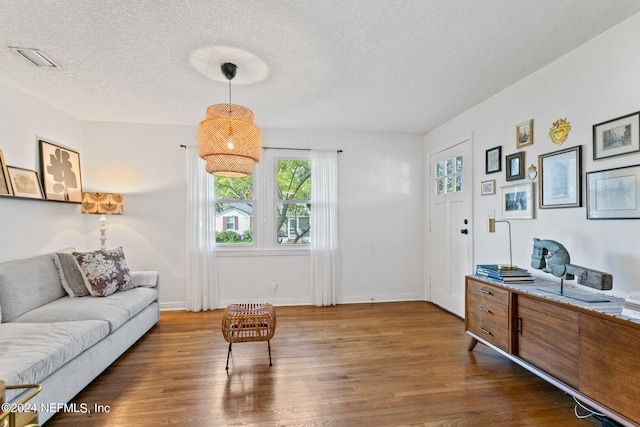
x=383, y=364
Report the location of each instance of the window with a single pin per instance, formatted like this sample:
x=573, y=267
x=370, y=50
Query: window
x=234, y=211
x=449, y=175
x=278, y=194
x=293, y=201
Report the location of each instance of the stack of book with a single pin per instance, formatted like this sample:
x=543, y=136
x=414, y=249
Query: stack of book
x=631, y=305
x=491, y=271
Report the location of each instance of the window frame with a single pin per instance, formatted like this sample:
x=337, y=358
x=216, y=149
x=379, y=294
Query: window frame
x=265, y=209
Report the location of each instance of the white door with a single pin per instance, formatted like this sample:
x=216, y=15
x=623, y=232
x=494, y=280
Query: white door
x=450, y=228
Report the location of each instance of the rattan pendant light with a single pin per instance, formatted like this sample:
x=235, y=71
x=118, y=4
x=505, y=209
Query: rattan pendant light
x=228, y=139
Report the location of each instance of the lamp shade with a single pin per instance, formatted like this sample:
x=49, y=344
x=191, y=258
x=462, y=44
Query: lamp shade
x=229, y=140
x=102, y=203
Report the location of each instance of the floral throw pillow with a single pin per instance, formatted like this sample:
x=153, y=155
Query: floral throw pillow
x=104, y=271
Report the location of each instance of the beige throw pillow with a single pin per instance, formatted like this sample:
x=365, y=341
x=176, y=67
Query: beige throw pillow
x=70, y=275
x=104, y=271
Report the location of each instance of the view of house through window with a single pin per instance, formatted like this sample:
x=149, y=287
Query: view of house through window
x=286, y=210
x=234, y=210
x=293, y=201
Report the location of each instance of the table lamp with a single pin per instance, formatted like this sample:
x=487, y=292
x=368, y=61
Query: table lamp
x=102, y=204
x=492, y=229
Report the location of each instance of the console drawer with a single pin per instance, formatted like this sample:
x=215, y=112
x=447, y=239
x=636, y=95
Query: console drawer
x=488, y=309
x=489, y=292
x=488, y=331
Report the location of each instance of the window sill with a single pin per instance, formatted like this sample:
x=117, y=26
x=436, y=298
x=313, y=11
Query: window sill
x=237, y=252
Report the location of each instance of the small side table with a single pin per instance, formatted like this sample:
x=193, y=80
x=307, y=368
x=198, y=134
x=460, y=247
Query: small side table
x=248, y=322
x=19, y=418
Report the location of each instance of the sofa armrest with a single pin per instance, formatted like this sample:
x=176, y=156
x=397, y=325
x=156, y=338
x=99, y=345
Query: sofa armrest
x=147, y=279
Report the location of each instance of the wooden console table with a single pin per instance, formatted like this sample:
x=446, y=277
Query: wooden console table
x=588, y=350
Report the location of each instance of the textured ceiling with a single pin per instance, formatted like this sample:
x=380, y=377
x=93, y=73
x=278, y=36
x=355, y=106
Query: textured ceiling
x=373, y=65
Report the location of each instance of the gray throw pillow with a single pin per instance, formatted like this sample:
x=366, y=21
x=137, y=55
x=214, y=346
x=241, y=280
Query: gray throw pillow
x=70, y=275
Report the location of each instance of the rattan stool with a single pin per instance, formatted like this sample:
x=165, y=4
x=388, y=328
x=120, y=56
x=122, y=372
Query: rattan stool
x=248, y=322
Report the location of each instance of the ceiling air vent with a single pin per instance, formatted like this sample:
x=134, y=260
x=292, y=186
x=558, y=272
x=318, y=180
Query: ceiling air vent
x=35, y=57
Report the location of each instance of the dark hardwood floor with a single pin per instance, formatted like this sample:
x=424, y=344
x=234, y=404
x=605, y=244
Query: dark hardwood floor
x=383, y=364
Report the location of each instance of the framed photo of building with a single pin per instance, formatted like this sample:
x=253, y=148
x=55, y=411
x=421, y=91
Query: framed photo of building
x=614, y=193
x=524, y=134
x=616, y=137
x=560, y=184
x=25, y=183
x=60, y=169
x=5, y=182
x=493, y=160
x=514, y=166
x=517, y=201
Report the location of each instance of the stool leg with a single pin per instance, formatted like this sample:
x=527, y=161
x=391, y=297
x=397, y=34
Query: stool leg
x=228, y=352
x=269, y=344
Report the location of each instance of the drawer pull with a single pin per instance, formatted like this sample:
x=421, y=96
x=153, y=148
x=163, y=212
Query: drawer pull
x=485, y=331
x=486, y=310
x=486, y=292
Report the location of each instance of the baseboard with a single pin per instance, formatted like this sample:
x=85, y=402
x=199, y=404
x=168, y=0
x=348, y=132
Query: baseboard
x=172, y=306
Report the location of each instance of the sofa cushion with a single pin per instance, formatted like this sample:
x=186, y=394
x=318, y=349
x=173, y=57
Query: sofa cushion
x=104, y=271
x=28, y=283
x=31, y=352
x=70, y=275
x=115, y=309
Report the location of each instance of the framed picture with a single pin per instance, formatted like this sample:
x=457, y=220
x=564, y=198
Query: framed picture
x=514, y=166
x=517, y=201
x=559, y=180
x=25, y=183
x=493, y=160
x=616, y=137
x=524, y=134
x=5, y=182
x=488, y=187
x=614, y=193
x=60, y=173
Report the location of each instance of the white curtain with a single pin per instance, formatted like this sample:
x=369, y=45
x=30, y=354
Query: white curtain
x=324, y=226
x=202, y=283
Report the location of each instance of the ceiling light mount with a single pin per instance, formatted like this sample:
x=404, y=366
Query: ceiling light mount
x=229, y=70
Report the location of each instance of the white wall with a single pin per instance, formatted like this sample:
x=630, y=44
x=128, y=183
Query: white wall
x=147, y=165
x=596, y=82
x=30, y=227
x=380, y=175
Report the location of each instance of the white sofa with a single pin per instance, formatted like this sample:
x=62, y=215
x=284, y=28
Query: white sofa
x=63, y=342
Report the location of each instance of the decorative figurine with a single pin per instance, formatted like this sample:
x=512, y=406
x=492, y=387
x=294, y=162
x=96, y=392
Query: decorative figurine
x=552, y=257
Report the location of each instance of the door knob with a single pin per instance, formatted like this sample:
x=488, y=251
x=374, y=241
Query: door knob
x=464, y=231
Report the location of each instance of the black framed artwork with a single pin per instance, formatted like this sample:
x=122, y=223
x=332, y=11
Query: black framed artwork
x=60, y=167
x=493, y=160
x=614, y=193
x=560, y=183
x=514, y=166
x=617, y=137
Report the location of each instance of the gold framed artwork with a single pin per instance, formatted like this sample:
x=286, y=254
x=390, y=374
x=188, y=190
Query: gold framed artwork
x=5, y=182
x=524, y=134
x=559, y=131
x=60, y=168
x=25, y=183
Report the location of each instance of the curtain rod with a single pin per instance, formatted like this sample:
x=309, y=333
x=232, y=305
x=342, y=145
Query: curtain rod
x=277, y=148
x=298, y=149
